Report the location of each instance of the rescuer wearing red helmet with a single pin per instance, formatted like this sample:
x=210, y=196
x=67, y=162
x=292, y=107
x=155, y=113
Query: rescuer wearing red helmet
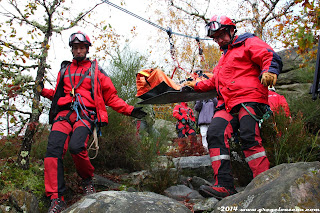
x=241, y=78
x=79, y=102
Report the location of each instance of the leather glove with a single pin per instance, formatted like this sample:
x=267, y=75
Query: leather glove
x=268, y=79
x=137, y=112
x=190, y=84
x=40, y=86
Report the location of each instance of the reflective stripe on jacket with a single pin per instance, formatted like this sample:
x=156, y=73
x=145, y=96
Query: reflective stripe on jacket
x=104, y=92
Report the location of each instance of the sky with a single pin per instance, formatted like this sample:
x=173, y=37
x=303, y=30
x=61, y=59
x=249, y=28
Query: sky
x=119, y=20
x=123, y=23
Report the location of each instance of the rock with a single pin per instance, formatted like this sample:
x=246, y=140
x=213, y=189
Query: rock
x=169, y=127
x=24, y=202
x=290, y=59
x=7, y=209
x=182, y=193
x=205, y=205
x=196, y=182
x=101, y=181
x=286, y=186
x=127, y=202
x=192, y=161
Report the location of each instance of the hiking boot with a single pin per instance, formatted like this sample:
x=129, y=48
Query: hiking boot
x=57, y=205
x=87, y=186
x=218, y=192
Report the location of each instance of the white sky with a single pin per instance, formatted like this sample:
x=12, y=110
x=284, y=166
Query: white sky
x=123, y=23
x=120, y=21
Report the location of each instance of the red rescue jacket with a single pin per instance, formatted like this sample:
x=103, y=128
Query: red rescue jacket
x=276, y=101
x=97, y=90
x=237, y=75
x=182, y=111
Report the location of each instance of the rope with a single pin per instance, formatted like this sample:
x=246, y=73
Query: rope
x=201, y=54
x=168, y=31
x=172, y=52
x=79, y=104
x=95, y=143
x=149, y=22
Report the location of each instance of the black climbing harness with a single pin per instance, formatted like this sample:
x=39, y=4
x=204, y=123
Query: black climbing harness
x=267, y=113
x=83, y=113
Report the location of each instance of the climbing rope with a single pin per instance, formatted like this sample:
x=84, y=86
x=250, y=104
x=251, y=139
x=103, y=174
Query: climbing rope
x=172, y=52
x=201, y=54
x=170, y=33
x=149, y=22
x=78, y=103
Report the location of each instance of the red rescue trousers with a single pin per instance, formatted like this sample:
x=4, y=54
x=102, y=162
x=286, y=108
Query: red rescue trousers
x=66, y=132
x=223, y=125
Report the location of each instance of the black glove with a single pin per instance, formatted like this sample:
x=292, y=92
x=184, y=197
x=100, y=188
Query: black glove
x=186, y=89
x=137, y=112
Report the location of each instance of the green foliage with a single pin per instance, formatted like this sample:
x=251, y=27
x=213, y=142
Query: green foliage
x=122, y=71
x=120, y=146
x=309, y=109
x=305, y=74
x=12, y=177
x=162, y=179
x=39, y=146
x=301, y=30
x=288, y=140
x=10, y=146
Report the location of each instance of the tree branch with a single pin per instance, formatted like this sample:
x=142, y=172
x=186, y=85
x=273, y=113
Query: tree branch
x=15, y=110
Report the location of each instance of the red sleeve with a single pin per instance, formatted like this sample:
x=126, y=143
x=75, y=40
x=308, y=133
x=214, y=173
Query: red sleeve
x=49, y=93
x=111, y=98
x=176, y=113
x=263, y=55
x=205, y=85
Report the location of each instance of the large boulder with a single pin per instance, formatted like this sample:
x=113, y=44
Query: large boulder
x=287, y=186
x=21, y=201
x=127, y=202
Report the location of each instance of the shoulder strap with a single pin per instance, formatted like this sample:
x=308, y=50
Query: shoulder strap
x=63, y=68
x=92, y=71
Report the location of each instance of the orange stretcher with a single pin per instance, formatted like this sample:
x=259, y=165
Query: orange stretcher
x=155, y=87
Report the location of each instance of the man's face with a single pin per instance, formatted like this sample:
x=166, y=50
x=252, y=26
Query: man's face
x=79, y=51
x=222, y=37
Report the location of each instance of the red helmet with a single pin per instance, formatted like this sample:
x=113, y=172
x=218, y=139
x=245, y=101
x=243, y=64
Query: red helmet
x=218, y=22
x=79, y=37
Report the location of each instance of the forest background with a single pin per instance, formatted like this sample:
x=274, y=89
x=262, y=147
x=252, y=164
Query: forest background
x=34, y=41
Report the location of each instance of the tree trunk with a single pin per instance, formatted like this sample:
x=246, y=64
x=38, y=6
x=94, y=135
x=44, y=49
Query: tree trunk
x=24, y=154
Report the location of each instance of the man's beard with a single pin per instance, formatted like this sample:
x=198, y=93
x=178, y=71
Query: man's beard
x=79, y=58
